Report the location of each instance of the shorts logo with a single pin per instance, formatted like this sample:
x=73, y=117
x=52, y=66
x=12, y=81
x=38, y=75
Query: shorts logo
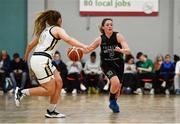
x=109, y=73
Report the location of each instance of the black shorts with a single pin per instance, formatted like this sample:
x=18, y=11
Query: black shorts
x=113, y=68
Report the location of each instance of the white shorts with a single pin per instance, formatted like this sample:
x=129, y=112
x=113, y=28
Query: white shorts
x=42, y=67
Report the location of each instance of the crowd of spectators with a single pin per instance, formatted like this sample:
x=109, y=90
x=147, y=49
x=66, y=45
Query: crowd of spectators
x=146, y=76
x=13, y=72
x=141, y=74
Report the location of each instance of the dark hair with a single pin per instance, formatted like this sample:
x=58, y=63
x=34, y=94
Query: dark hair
x=102, y=24
x=167, y=55
x=93, y=54
x=128, y=57
x=16, y=55
x=139, y=54
x=57, y=52
x=176, y=58
x=50, y=17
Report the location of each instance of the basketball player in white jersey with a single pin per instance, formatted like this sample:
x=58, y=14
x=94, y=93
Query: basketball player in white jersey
x=48, y=32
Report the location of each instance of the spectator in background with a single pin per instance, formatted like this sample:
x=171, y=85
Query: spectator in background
x=157, y=65
x=19, y=72
x=129, y=78
x=176, y=59
x=177, y=78
x=73, y=77
x=145, y=70
x=166, y=75
x=61, y=67
x=4, y=68
x=92, y=72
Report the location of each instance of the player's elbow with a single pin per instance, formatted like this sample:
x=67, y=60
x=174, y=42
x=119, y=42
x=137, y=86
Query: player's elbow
x=29, y=46
x=127, y=52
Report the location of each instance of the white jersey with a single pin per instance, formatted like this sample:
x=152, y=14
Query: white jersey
x=177, y=69
x=47, y=42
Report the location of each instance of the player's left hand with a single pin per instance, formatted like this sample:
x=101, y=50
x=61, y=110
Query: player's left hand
x=118, y=49
x=25, y=58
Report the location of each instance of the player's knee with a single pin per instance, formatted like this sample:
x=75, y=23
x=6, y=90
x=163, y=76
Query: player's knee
x=115, y=85
x=59, y=84
x=115, y=82
x=50, y=91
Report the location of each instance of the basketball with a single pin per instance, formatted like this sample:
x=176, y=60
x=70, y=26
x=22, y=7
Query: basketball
x=74, y=54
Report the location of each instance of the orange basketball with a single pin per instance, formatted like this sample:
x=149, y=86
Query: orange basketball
x=75, y=54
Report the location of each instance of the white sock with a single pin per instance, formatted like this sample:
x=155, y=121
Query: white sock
x=52, y=107
x=26, y=92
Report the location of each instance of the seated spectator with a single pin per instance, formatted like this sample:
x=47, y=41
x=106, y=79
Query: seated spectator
x=129, y=78
x=157, y=65
x=145, y=71
x=177, y=78
x=73, y=77
x=92, y=71
x=176, y=59
x=33, y=79
x=4, y=69
x=19, y=72
x=62, y=68
x=166, y=74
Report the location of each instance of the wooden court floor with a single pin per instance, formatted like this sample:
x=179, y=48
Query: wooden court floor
x=83, y=108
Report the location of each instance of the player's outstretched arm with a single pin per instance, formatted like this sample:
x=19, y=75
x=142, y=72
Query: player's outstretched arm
x=93, y=45
x=30, y=46
x=64, y=36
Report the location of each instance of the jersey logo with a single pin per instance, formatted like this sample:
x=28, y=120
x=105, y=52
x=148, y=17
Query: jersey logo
x=109, y=73
x=111, y=54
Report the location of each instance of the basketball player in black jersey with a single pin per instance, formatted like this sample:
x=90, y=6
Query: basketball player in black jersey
x=113, y=46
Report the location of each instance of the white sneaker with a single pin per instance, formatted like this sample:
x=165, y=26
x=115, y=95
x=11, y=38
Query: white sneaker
x=138, y=91
x=18, y=96
x=54, y=114
x=163, y=84
x=63, y=91
x=167, y=92
x=74, y=91
x=151, y=92
x=83, y=88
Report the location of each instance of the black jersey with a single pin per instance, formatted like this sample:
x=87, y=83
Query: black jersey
x=107, y=48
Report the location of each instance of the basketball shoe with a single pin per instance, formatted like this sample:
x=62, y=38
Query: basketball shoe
x=54, y=114
x=18, y=96
x=114, y=106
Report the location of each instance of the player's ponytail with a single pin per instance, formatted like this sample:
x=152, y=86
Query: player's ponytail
x=102, y=24
x=49, y=17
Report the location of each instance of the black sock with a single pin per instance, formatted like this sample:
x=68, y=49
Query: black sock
x=112, y=96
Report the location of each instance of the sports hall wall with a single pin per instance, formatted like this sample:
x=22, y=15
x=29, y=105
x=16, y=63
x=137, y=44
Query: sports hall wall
x=152, y=35
x=13, y=26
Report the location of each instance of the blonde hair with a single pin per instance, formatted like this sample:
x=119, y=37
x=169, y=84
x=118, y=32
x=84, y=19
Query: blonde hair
x=49, y=17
